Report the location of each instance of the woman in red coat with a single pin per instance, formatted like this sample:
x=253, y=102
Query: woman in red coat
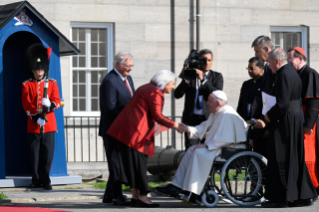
x=134, y=127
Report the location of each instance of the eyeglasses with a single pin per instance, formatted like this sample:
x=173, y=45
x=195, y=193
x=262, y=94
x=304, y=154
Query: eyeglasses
x=126, y=66
x=251, y=68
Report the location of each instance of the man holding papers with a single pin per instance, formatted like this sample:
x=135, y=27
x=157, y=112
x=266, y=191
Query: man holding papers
x=288, y=180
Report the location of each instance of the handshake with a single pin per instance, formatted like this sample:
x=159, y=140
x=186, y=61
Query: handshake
x=180, y=127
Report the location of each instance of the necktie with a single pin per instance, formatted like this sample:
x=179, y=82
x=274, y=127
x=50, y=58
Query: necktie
x=128, y=87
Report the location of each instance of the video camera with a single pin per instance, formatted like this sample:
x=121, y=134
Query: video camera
x=194, y=60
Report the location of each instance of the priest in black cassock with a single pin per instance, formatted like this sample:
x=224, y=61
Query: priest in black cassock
x=288, y=180
x=310, y=106
x=250, y=103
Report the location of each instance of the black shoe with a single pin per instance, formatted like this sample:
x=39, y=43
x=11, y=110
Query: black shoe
x=35, y=185
x=107, y=200
x=47, y=187
x=271, y=204
x=133, y=202
x=169, y=189
x=301, y=203
x=121, y=201
x=141, y=204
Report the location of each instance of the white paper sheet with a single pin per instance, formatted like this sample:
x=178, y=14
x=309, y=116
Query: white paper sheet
x=268, y=102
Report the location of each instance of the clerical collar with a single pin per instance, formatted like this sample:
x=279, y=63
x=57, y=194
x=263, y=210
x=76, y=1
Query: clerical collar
x=259, y=79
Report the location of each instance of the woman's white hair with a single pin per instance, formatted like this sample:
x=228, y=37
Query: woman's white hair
x=162, y=78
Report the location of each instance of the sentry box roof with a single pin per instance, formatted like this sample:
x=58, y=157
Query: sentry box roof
x=9, y=11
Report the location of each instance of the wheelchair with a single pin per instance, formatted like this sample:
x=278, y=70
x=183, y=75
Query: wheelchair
x=242, y=177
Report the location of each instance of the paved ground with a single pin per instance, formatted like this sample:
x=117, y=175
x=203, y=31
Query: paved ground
x=81, y=197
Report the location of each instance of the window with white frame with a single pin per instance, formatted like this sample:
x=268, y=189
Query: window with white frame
x=95, y=41
x=289, y=37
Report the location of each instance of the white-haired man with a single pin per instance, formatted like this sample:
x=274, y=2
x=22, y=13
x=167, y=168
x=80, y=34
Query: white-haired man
x=223, y=127
x=116, y=92
x=288, y=181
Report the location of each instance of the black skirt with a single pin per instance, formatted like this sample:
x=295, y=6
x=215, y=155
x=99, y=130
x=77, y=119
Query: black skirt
x=135, y=168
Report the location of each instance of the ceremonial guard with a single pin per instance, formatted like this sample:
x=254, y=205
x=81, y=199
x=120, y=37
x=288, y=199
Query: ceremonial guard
x=41, y=128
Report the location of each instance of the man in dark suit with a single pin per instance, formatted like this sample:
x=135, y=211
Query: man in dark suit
x=207, y=81
x=250, y=103
x=262, y=45
x=116, y=91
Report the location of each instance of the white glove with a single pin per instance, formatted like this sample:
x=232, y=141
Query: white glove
x=41, y=122
x=46, y=102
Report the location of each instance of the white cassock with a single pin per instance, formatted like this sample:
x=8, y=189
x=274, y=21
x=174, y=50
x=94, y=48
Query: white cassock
x=222, y=128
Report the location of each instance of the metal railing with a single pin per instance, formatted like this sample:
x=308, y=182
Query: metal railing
x=83, y=143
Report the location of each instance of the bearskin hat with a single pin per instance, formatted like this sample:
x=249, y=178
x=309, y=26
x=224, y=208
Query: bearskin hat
x=36, y=58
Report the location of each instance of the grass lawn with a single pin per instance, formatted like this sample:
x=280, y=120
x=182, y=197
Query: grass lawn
x=102, y=185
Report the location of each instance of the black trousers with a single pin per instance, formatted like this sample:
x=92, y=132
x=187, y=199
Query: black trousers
x=114, y=161
x=41, y=156
x=195, y=120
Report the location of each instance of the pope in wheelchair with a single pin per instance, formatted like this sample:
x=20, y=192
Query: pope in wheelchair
x=241, y=176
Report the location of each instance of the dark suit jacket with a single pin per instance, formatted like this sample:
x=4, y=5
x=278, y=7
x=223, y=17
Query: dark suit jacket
x=114, y=96
x=252, y=90
x=214, y=82
x=247, y=92
x=268, y=80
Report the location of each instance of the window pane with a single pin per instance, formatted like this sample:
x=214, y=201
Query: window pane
x=75, y=76
x=102, y=62
x=82, y=48
x=74, y=34
x=75, y=90
x=94, y=90
x=75, y=104
x=82, y=105
x=102, y=35
x=82, y=90
x=93, y=48
x=94, y=105
x=81, y=34
x=94, y=76
x=94, y=34
x=94, y=62
x=82, y=76
x=102, y=49
x=102, y=74
x=82, y=62
x=75, y=61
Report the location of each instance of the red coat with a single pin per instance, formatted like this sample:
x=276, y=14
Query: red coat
x=32, y=103
x=134, y=126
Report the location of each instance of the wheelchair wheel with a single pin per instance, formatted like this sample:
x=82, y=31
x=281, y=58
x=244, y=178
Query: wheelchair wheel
x=243, y=178
x=211, y=199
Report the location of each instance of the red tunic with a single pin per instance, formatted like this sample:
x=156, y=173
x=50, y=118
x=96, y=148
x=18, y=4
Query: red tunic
x=134, y=126
x=32, y=95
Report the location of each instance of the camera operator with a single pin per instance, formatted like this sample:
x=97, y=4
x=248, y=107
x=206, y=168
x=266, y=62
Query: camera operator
x=196, y=91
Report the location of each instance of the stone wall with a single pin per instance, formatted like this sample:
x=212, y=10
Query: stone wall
x=142, y=27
